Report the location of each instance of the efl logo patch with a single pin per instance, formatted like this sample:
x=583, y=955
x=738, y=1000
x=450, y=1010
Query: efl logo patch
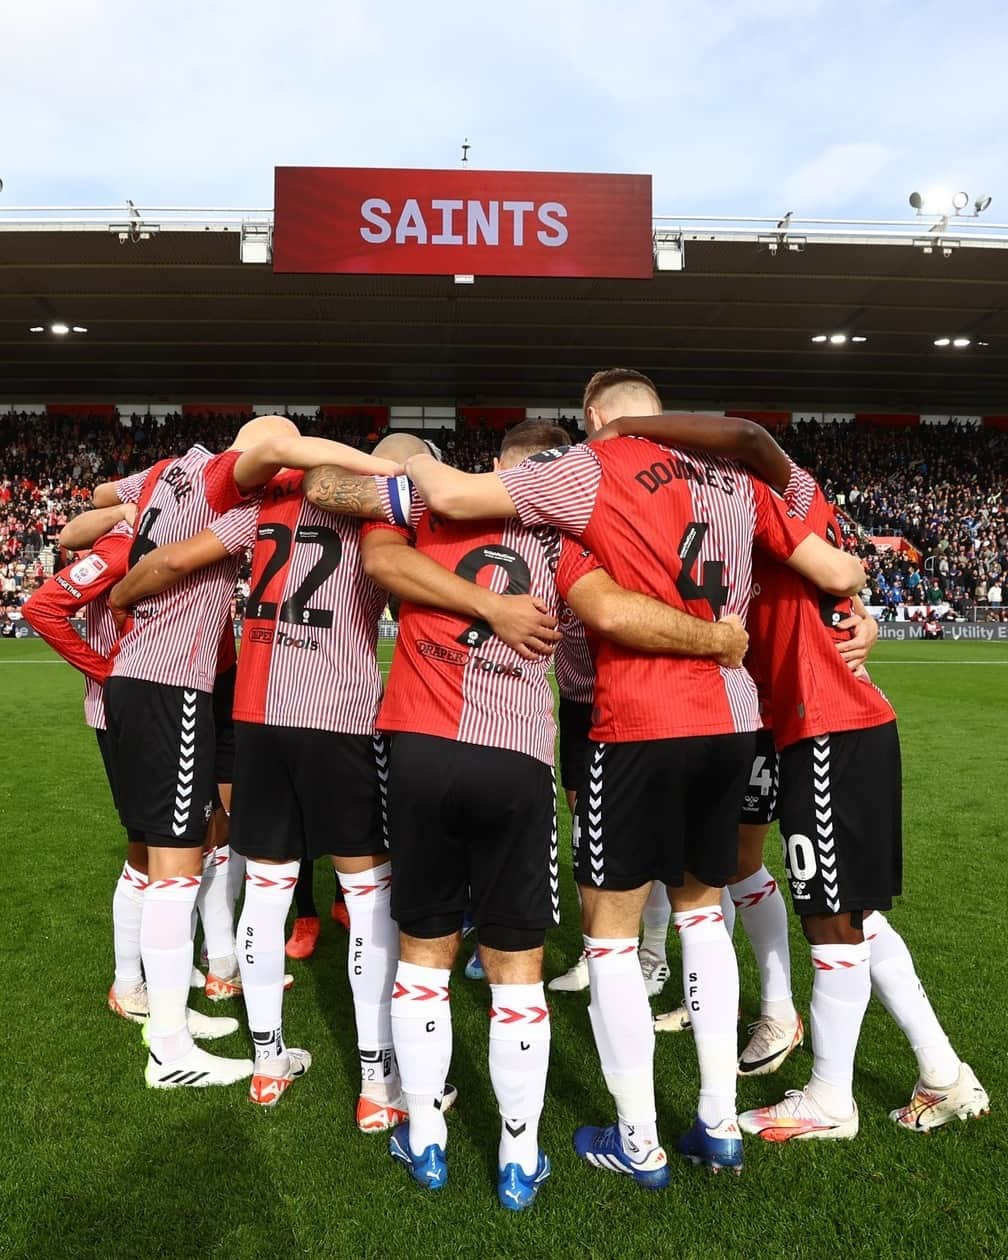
x=545, y=457
x=88, y=570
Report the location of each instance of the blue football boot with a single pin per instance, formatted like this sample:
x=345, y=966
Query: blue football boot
x=517, y=1189
x=603, y=1147
x=429, y=1169
x=716, y=1148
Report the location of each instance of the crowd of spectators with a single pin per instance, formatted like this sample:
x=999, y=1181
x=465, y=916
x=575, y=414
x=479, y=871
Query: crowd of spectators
x=941, y=487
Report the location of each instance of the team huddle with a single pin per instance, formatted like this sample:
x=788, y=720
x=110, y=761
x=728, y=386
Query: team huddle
x=651, y=560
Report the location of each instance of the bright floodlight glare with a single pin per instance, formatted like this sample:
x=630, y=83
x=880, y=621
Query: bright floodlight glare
x=916, y=201
x=837, y=339
x=60, y=330
x=859, y=339
x=942, y=341
x=961, y=342
x=819, y=337
x=960, y=201
x=981, y=203
x=79, y=328
x=36, y=328
x=937, y=199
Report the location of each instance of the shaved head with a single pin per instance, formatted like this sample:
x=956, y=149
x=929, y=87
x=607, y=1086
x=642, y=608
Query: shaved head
x=398, y=447
x=261, y=429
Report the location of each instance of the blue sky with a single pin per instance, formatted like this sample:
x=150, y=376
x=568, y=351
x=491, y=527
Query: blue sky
x=738, y=107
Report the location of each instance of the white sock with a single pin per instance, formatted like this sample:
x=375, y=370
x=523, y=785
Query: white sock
x=127, y=914
x=841, y=989
x=894, y=982
x=216, y=912
x=422, y=1035
x=711, y=993
x=728, y=911
x=166, y=947
x=655, y=920
x=764, y=917
x=269, y=888
x=235, y=879
x=371, y=966
x=624, y=1035
x=519, y=1060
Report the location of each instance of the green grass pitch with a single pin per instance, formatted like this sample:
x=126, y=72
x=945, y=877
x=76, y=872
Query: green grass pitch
x=94, y=1165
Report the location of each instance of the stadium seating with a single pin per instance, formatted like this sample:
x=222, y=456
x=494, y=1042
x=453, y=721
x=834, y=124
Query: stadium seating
x=940, y=487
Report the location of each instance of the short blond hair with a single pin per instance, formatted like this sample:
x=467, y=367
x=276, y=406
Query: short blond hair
x=618, y=378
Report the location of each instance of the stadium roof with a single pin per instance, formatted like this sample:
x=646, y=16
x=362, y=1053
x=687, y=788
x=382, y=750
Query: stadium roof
x=173, y=314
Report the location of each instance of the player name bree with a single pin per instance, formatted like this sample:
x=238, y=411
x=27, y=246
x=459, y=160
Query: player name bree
x=179, y=482
x=664, y=472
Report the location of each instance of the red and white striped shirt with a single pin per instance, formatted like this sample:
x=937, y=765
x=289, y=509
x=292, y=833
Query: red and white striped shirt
x=573, y=662
x=679, y=527
x=309, y=647
x=82, y=589
x=456, y=679
x=173, y=638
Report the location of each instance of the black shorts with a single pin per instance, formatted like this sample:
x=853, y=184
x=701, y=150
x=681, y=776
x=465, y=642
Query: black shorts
x=472, y=826
x=223, y=707
x=759, y=804
x=574, y=722
x=841, y=820
x=304, y=794
x=655, y=809
x=161, y=746
x=105, y=748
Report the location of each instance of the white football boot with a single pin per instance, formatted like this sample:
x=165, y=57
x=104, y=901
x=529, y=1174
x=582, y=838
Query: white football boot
x=930, y=1108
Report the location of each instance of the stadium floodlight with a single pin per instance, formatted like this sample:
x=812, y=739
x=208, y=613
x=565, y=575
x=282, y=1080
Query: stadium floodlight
x=819, y=338
x=943, y=341
x=838, y=339
x=59, y=329
x=79, y=328
x=916, y=201
x=465, y=279
x=960, y=343
x=960, y=201
x=37, y=328
x=859, y=340
x=981, y=203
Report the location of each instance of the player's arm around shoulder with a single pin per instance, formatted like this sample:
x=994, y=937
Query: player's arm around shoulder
x=86, y=528
x=458, y=495
x=647, y=625
x=730, y=437
x=332, y=489
x=524, y=623
x=832, y=570
x=164, y=567
x=261, y=462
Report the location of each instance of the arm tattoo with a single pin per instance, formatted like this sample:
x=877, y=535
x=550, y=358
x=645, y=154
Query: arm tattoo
x=334, y=490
